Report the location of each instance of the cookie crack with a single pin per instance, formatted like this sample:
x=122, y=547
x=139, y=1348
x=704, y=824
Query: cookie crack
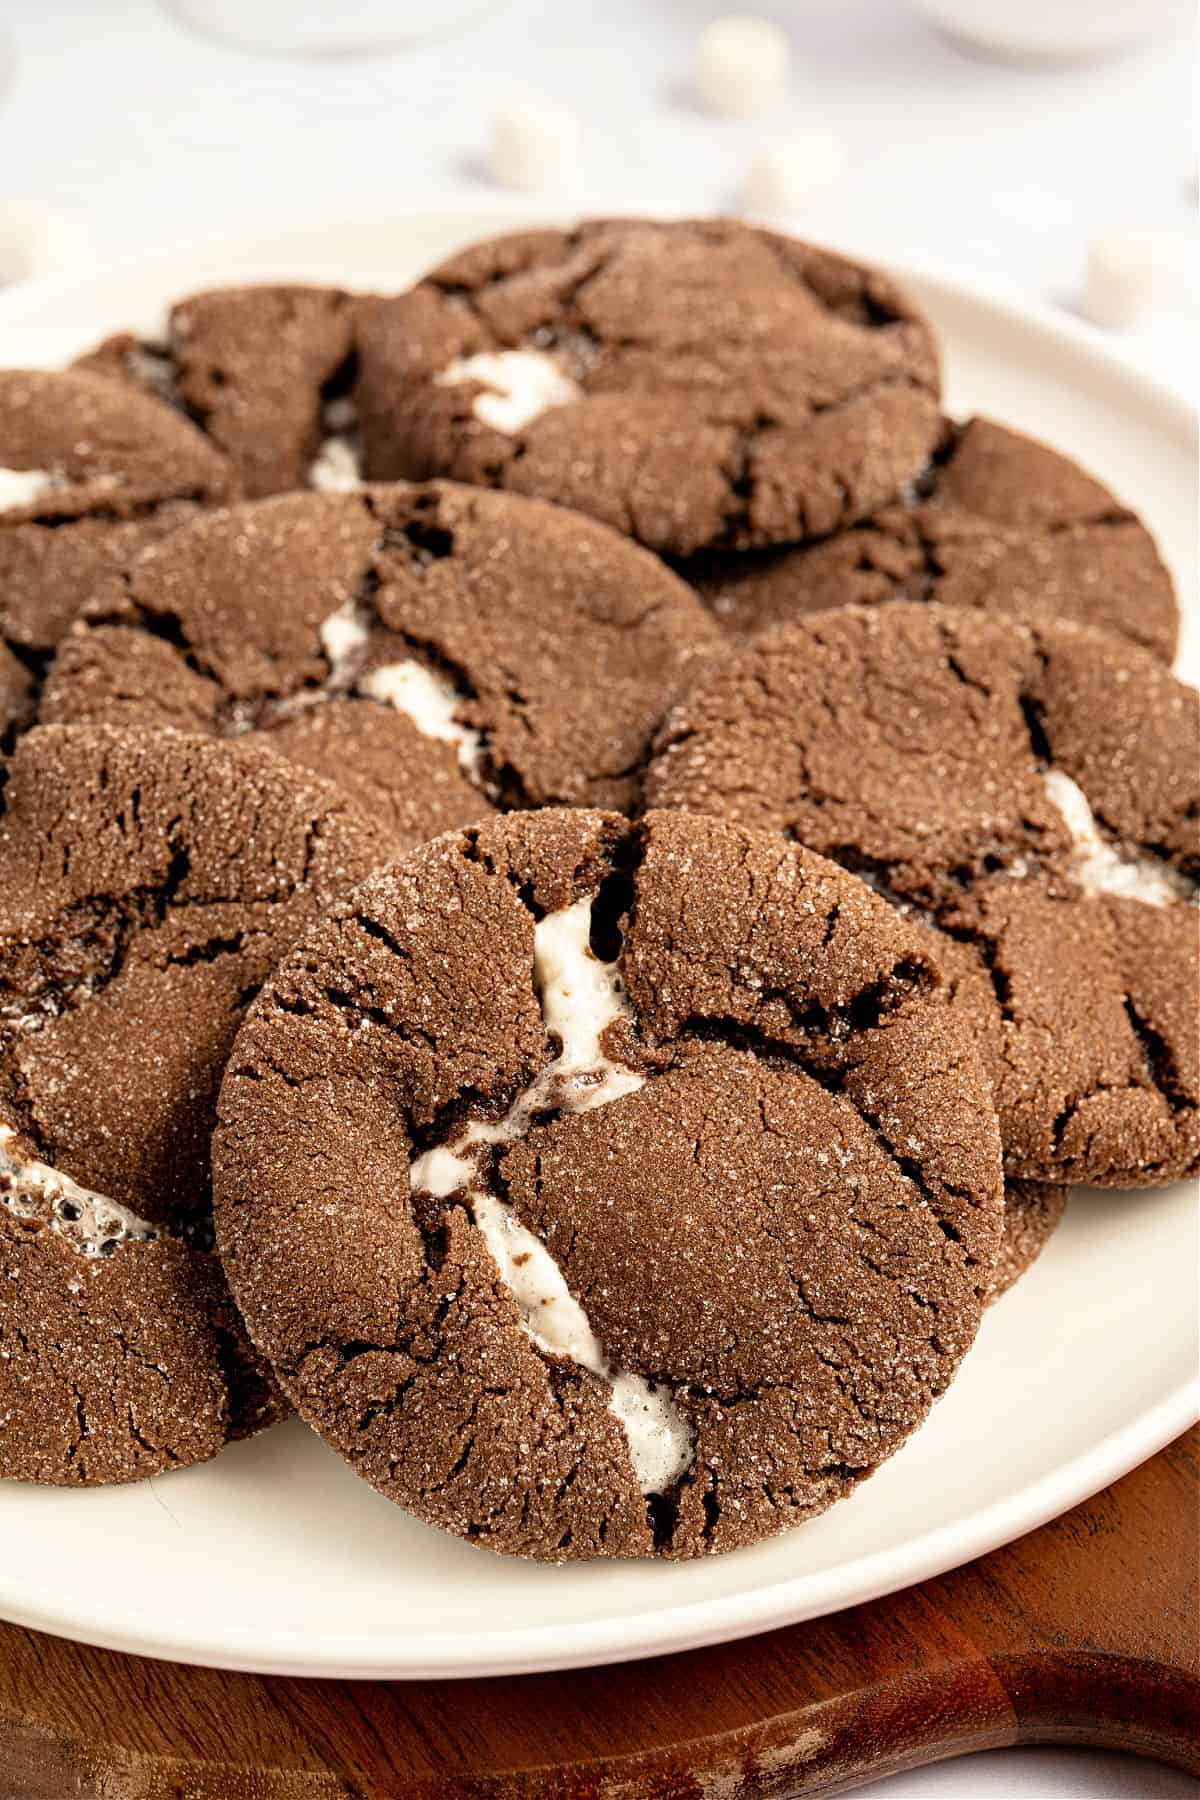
x=1159, y=1060
x=870, y=314
x=470, y=295
x=822, y=1026
x=130, y=513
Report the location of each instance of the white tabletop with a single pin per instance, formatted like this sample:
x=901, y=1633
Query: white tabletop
x=120, y=115
x=121, y=118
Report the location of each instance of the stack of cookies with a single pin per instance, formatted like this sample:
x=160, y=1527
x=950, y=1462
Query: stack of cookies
x=580, y=871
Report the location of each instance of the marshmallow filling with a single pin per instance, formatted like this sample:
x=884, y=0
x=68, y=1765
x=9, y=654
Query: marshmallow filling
x=519, y=385
x=580, y=997
x=1098, y=865
x=25, y=487
x=92, y=1224
x=424, y=695
x=337, y=466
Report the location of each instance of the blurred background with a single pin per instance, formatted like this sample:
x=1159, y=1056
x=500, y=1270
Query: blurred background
x=1008, y=139
x=1044, y=147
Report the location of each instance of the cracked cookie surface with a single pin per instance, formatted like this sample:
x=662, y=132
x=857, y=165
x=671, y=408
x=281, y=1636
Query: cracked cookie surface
x=437, y=650
x=998, y=521
x=89, y=474
x=1033, y=793
x=601, y=1189
x=693, y=384
x=264, y=371
x=148, y=883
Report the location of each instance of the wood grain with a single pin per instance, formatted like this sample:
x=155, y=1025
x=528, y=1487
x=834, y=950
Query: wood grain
x=1086, y=1632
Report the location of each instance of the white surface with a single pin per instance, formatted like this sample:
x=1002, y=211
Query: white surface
x=151, y=134
x=274, y=1556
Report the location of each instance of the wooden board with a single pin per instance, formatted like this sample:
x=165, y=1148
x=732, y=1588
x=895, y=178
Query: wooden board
x=1087, y=1631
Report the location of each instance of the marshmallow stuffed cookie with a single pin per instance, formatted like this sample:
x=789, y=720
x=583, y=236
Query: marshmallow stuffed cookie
x=601, y=1189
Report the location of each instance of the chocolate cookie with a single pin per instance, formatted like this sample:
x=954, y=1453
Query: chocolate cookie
x=1033, y=1211
x=89, y=474
x=1034, y=791
x=264, y=371
x=437, y=650
x=998, y=521
x=601, y=1189
x=697, y=384
x=148, y=882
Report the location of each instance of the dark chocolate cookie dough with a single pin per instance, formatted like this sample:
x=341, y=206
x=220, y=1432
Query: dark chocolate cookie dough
x=89, y=474
x=264, y=371
x=695, y=384
x=1033, y=1211
x=602, y=1189
x=1033, y=791
x=998, y=521
x=148, y=882
x=437, y=650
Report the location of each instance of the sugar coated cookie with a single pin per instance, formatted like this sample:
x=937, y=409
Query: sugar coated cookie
x=148, y=882
x=695, y=385
x=609, y=1190
x=1031, y=791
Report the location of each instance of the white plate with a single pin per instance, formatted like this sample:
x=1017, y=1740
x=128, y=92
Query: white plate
x=275, y=1558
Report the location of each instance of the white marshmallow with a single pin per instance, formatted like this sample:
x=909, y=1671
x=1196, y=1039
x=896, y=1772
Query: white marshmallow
x=660, y=1438
x=1101, y=869
x=430, y=701
x=93, y=1224
x=24, y=487
x=534, y=143
x=343, y=639
x=549, y=1311
x=741, y=64
x=792, y=170
x=1128, y=271
x=522, y=384
x=336, y=468
x=428, y=698
x=580, y=998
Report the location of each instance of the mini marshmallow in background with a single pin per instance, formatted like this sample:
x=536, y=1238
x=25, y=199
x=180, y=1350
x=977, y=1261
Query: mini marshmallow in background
x=535, y=143
x=793, y=170
x=742, y=65
x=36, y=240
x=1130, y=270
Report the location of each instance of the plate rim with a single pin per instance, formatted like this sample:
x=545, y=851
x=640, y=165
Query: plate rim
x=735, y=1615
x=1003, y=299
x=592, y=1643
